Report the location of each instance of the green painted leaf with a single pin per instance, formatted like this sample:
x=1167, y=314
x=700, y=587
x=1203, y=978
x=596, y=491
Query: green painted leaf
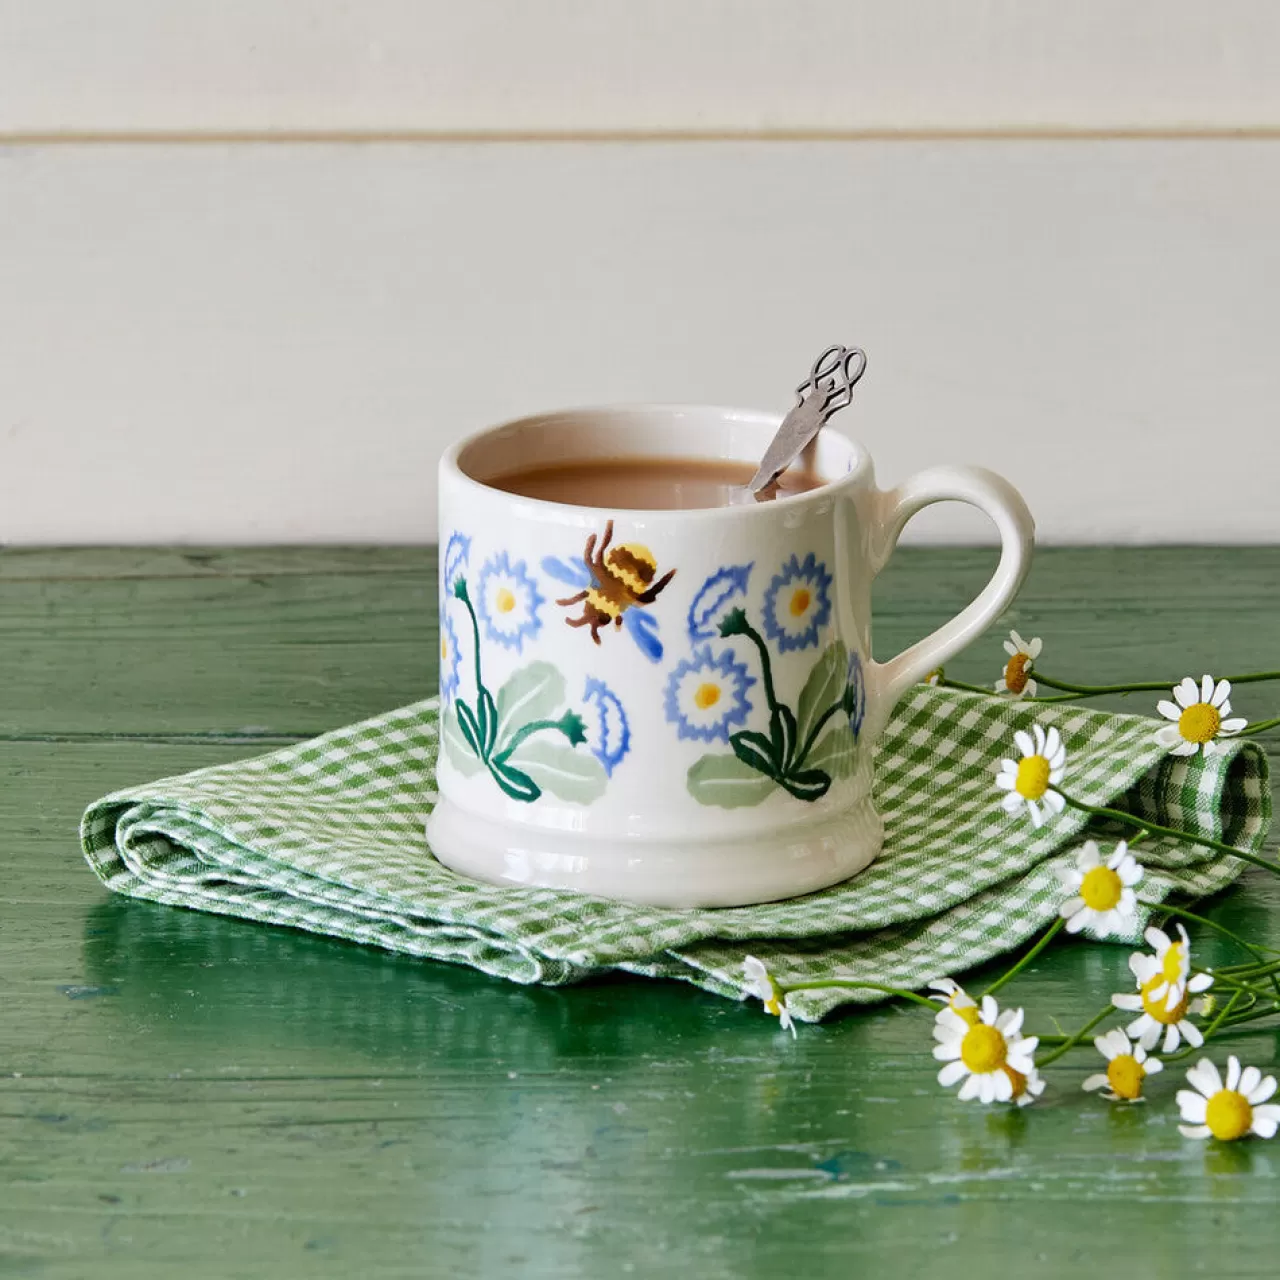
x=488, y=719
x=808, y=784
x=755, y=750
x=836, y=751
x=531, y=693
x=556, y=767
x=515, y=782
x=461, y=754
x=824, y=686
x=782, y=730
x=727, y=782
x=470, y=728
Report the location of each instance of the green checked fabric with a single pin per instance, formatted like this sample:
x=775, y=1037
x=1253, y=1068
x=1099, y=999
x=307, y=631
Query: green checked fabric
x=327, y=836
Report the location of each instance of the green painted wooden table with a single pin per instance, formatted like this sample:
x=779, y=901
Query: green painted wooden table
x=182, y=1095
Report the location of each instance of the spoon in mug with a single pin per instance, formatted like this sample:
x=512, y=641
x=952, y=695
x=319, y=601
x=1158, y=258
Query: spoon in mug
x=828, y=389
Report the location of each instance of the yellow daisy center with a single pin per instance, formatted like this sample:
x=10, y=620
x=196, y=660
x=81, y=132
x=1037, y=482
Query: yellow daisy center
x=983, y=1049
x=706, y=695
x=969, y=1012
x=1200, y=722
x=1171, y=965
x=1101, y=889
x=1228, y=1115
x=1033, y=777
x=1015, y=672
x=1158, y=1009
x=444, y=648
x=504, y=600
x=774, y=1006
x=800, y=599
x=1125, y=1075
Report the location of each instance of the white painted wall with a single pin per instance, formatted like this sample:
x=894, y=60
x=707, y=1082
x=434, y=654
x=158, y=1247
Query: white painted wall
x=241, y=341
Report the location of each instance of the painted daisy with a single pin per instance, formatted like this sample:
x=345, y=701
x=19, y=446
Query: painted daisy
x=1165, y=988
x=1231, y=1110
x=714, y=599
x=1127, y=1067
x=958, y=1000
x=1102, y=896
x=457, y=552
x=797, y=604
x=1017, y=671
x=991, y=1056
x=450, y=659
x=1029, y=780
x=707, y=694
x=508, y=600
x=1200, y=717
x=608, y=732
x=762, y=985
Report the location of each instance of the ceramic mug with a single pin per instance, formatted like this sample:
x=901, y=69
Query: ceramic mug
x=680, y=707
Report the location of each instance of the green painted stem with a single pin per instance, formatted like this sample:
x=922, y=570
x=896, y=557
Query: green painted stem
x=1119, y=815
x=527, y=731
x=812, y=739
x=1050, y=933
x=465, y=597
x=766, y=663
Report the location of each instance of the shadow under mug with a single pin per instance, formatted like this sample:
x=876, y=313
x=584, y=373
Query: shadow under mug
x=676, y=707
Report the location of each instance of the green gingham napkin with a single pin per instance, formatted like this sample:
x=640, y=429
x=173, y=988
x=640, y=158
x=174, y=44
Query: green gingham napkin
x=327, y=836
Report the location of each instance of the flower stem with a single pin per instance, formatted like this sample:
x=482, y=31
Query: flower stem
x=766, y=664
x=1129, y=819
x=1261, y=726
x=812, y=739
x=821, y=984
x=1049, y=934
x=1072, y=1040
x=1141, y=686
x=527, y=730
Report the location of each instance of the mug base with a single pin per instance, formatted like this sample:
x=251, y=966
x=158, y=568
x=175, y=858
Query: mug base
x=736, y=872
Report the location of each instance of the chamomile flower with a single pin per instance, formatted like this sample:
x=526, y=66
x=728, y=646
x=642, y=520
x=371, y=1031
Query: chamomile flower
x=1017, y=671
x=935, y=677
x=1231, y=1110
x=1165, y=988
x=762, y=985
x=1200, y=715
x=1102, y=897
x=1127, y=1067
x=1028, y=782
x=991, y=1056
x=1027, y=1086
x=958, y=1000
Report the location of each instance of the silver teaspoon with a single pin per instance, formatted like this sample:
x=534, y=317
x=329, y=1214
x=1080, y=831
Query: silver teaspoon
x=828, y=389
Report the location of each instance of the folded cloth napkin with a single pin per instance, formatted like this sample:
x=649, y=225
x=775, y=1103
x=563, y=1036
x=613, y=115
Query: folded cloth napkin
x=328, y=836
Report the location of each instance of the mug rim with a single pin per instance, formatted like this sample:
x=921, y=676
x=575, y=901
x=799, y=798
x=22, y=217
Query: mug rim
x=450, y=462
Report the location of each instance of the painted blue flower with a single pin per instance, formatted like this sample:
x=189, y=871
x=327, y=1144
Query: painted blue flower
x=508, y=600
x=457, y=552
x=856, y=694
x=714, y=598
x=608, y=733
x=797, y=604
x=707, y=695
x=450, y=660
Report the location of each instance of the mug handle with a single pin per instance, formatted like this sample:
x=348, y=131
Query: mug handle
x=1003, y=505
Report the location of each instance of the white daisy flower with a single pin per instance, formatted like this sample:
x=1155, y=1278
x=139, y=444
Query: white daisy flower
x=508, y=600
x=1200, y=715
x=1165, y=988
x=1017, y=671
x=936, y=676
x=1229, y=1111
x=1127, y=1067
x=762, y=985
x=1102, y=893
x=1029, y=780
x=991, y=1056
x=958, y=1000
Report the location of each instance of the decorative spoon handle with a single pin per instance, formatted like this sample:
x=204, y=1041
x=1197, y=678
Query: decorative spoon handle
x=828, y=389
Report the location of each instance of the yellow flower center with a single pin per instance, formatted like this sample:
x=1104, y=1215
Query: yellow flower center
x=706, y=695
x=1101, y=889
x=1171, y=965
x=969, y=1012
x=1158, y=1009
x=983, y=1049
x=504, y=600
x=1125, y=1075
x=773, y=1005
x=1033, y=777
x=444, y=648
x=1015, y=672
x=1018, y=1080
x=1200, y=723
x=800, y=599
x=1228, y=1115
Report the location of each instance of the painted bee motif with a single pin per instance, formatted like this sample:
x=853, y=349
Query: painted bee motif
x=613, y=580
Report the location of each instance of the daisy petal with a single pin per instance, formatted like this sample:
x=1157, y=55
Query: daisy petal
x=1187, y=694
x=970, y=1089
x=1190, y=1031
x=952, y=1072
x=1094, y=1082
x=1193, y=1107
x=1170, y=710
x=1198, y=1131
x=1264, y=1126
x=1264, y=1091
x=1250, y=1079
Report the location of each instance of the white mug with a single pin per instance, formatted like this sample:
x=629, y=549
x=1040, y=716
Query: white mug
x=675, y=707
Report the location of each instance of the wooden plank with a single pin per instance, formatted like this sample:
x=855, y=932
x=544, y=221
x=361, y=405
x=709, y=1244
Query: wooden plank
x=182, y=1094
x=608, y=65
x=309, y=326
